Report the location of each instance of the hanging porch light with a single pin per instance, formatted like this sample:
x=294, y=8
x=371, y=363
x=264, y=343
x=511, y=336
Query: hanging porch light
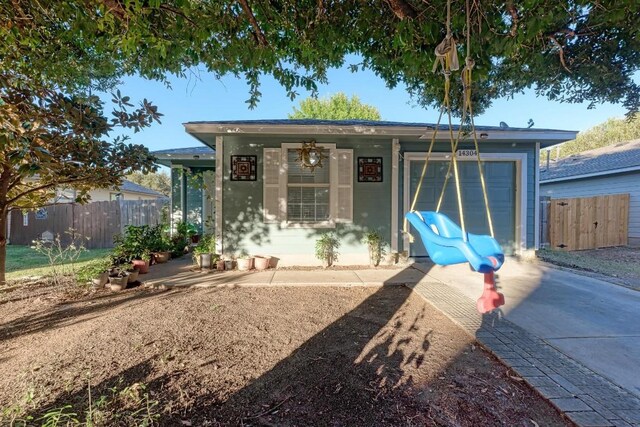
x=310, y=156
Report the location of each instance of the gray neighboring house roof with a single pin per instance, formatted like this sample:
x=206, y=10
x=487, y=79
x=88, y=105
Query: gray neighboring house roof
x=619, y=158
x=132, y=186
x=165, y=157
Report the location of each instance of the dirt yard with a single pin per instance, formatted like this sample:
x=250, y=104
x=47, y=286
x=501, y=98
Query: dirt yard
x=622, y=264
x=251, y=356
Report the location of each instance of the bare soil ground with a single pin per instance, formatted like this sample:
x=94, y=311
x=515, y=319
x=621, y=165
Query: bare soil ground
x=622, y=264
x=357, y=356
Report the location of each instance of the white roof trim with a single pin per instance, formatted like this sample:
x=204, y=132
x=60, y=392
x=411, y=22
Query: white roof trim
x=184, y=156
x=396, y=131
x=590, y=175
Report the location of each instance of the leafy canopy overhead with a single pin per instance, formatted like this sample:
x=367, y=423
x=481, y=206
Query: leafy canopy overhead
x=571, y=51
x=335, y=107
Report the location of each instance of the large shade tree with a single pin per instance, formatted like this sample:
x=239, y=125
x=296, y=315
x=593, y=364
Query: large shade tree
x=572, y=51
x=335, y=107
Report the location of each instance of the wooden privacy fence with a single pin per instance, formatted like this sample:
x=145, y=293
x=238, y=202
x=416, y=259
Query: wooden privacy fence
x=588, y=223
x=97, y=221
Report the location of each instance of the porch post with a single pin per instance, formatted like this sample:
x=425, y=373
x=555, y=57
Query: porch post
x=219, y=194
x=395, y=160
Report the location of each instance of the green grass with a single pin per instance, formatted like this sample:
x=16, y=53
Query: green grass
x=24, y=261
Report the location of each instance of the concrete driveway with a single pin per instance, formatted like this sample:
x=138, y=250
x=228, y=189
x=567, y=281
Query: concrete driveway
x=592, y=321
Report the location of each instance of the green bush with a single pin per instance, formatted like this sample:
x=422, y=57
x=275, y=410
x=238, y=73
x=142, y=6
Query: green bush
x=376, y=246
x=327, y=249
x=93, y=269
x=206, y=245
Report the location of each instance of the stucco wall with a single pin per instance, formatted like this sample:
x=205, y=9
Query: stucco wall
x=597, y=186
x=245, y=231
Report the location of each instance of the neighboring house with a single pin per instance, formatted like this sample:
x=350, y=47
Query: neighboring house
x=608, y=170
x=128, y=191
x=263, y=202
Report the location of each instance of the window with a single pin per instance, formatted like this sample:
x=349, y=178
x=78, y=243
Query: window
x=25, y=219
x=295, y=196
x=115, y=196
x=308, y=193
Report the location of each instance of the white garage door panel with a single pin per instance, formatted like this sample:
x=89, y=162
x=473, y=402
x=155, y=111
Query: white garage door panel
x=500, y=177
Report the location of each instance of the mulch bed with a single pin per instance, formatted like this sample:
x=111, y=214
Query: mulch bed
x=261, y=356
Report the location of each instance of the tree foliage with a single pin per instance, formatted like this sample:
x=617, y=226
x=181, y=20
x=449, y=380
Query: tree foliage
x=50, y=139
x=571, y=51
x=158, y=181
x=335, y=107
x=610, y=132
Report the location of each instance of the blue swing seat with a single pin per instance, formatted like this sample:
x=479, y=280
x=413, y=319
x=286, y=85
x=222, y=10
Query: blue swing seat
x=443, y=240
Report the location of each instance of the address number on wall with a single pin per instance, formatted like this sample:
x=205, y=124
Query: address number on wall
x=466, y=153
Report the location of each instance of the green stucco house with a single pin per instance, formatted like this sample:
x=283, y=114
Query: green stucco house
x=246, y=185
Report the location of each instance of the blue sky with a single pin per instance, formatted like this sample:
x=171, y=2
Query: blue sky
x=206, y=98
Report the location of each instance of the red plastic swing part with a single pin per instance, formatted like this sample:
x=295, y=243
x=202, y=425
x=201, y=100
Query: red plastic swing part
x=490, y=298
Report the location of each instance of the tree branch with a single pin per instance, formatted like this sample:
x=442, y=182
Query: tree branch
x=44, y=187
x=259, y=35
x=402, y=9
x=176, y=12
x=560, y=53
x=514, y=18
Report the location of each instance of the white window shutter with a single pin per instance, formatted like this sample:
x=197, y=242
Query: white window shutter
x=271, y=185
x=345, y=186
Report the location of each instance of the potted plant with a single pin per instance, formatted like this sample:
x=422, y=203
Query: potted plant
x=220, y=264
x=245, y=263
x=96, y=272
x=204, y=253
x=132, y=275
x=118, y=280
x=261, y=262
x=157, y=241
x=142, y=264
x=376, y=246
x=327, y=249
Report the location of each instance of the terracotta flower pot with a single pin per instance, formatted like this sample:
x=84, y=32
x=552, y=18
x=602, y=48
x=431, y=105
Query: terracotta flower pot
x=101, y=280
x=261, y=263
x=118, y=283
x=220, y=265
x=162, y=257
x=132, y=276
x=245, y=264
x=141, y=266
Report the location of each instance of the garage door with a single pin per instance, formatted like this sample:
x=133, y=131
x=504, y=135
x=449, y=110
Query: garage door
x=500, y=177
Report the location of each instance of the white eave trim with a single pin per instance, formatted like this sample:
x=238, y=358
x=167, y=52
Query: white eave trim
x=394, y=131
x=184, y=157
x=590, y=175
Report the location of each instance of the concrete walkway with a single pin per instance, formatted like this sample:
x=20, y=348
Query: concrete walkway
x=576, y=339
x=573, y=338
x=181, y=273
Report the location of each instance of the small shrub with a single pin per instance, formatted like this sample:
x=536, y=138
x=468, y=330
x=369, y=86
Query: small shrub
x=60, y=255
x=93, y=269
x=327, y=249
x=376, y=245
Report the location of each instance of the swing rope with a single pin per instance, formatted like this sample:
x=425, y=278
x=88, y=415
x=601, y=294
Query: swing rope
x=447, y=57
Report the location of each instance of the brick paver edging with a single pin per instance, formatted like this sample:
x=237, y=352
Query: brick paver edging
x=588, y=399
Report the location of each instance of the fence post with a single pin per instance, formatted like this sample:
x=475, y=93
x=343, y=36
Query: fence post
x=544, y=201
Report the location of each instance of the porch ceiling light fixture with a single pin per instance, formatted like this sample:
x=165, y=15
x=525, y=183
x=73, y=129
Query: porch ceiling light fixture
x=310, y=156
